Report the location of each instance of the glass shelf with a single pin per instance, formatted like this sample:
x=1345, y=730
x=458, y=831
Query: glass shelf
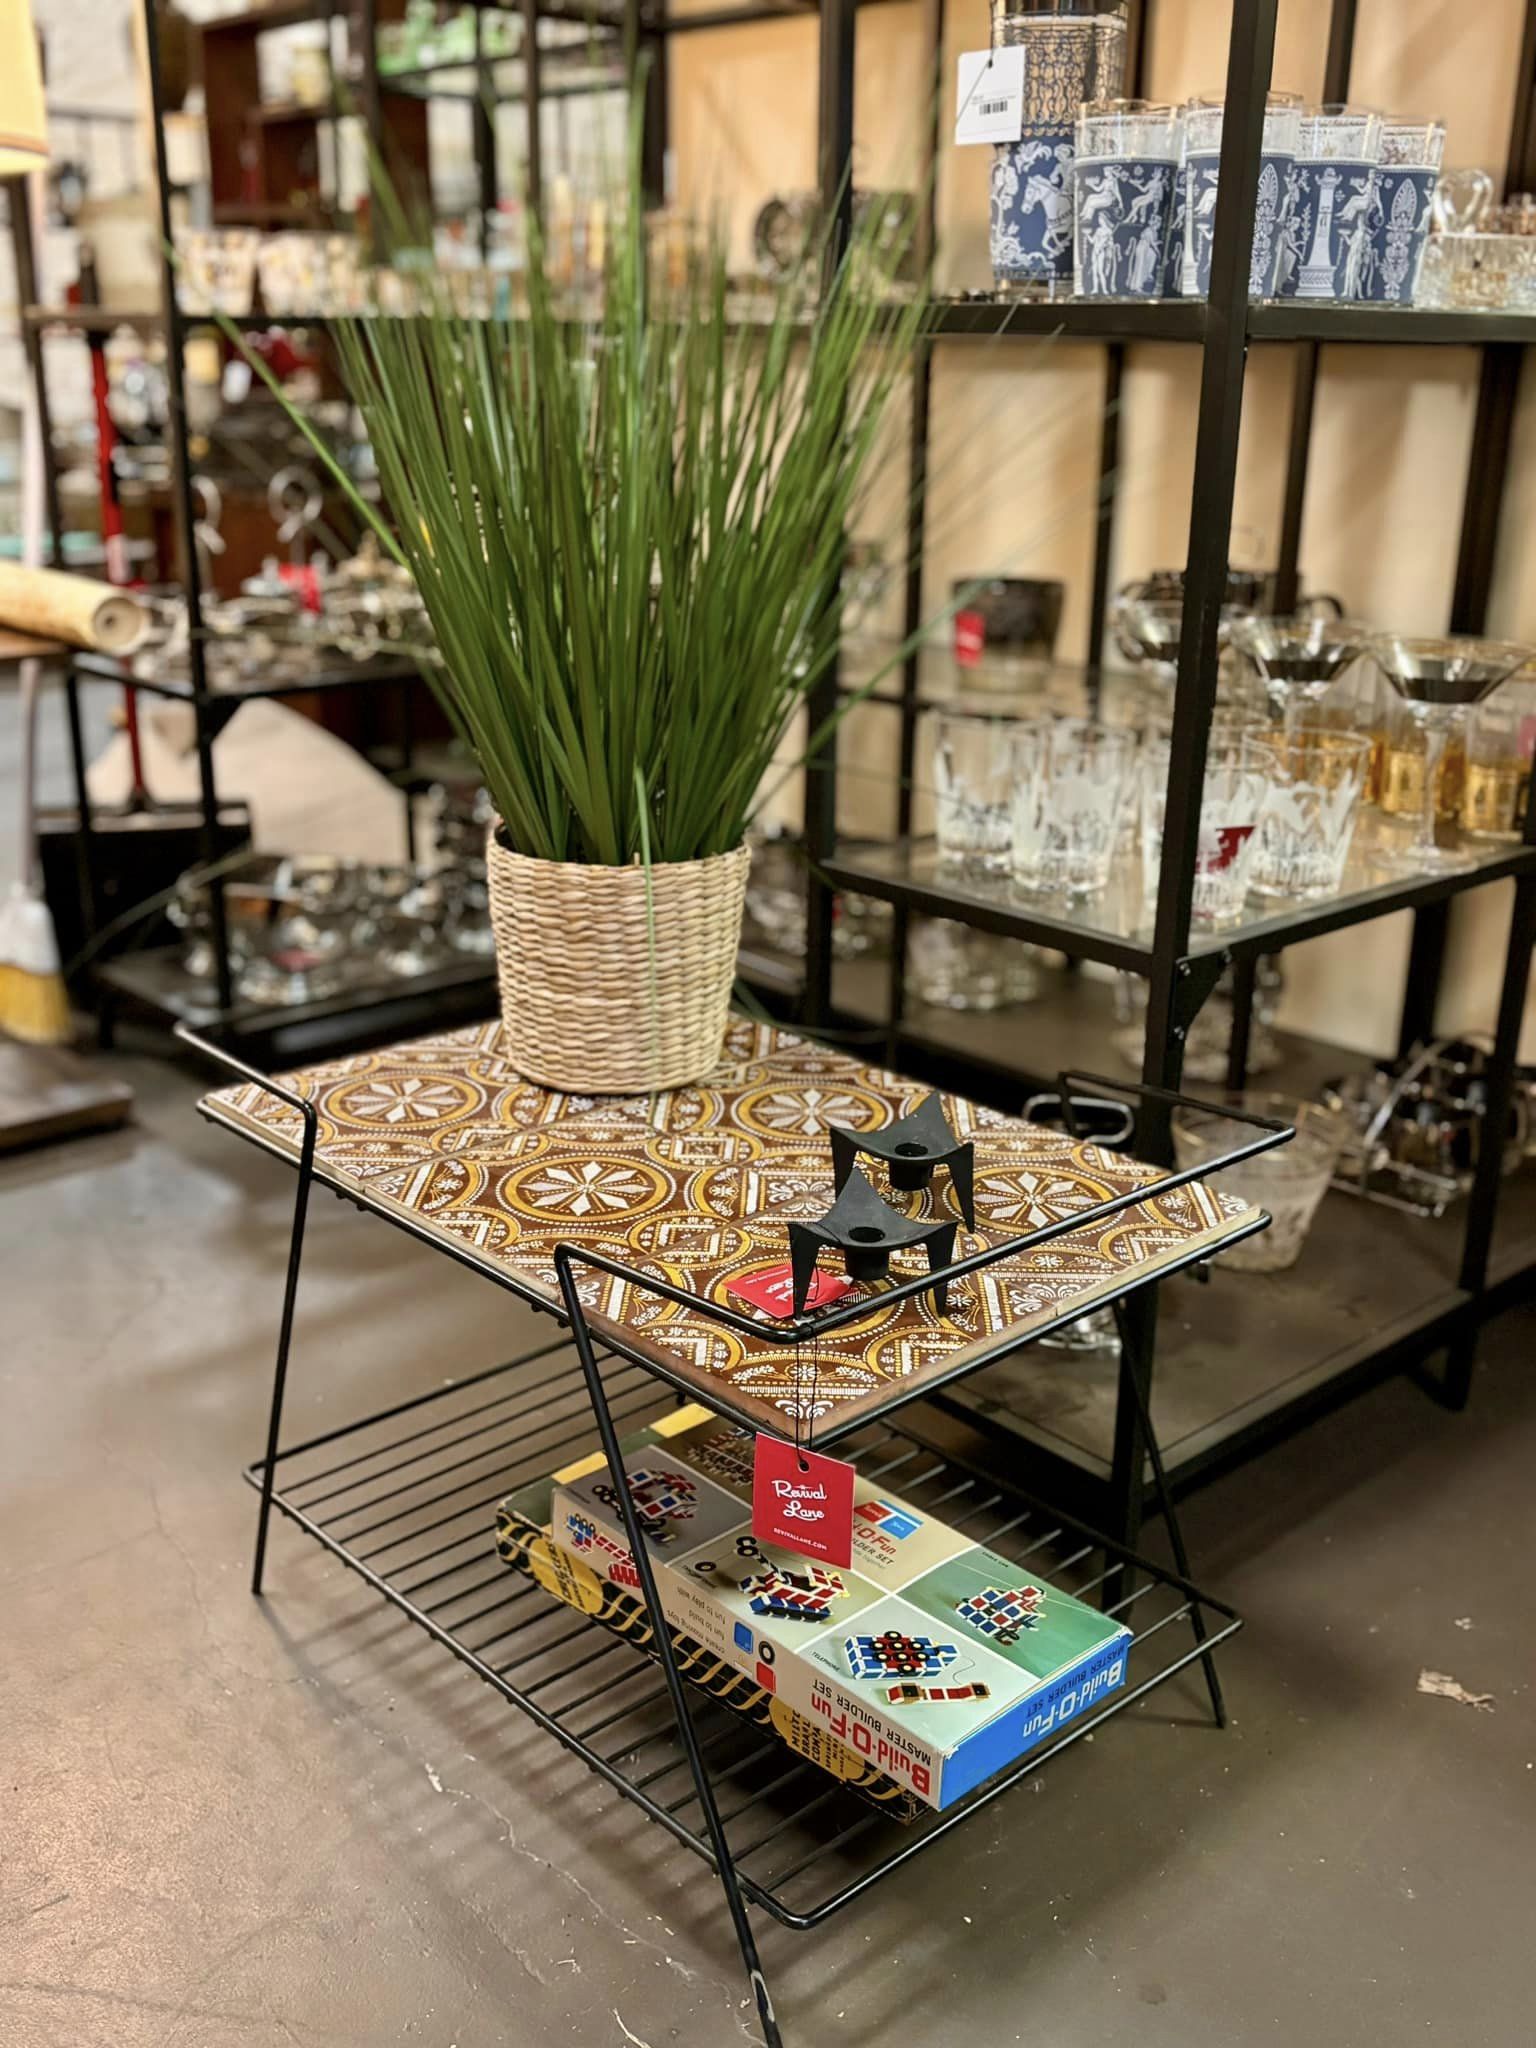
x=1116, y=927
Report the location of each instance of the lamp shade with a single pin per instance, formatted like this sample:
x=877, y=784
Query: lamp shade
x=23, y=123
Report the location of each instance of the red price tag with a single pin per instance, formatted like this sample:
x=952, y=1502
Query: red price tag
x=773, y=1290
x=802, y=1501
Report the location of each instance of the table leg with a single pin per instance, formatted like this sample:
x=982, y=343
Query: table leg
x=284, y=1341
x=724, y=1865
x=1134, y=1382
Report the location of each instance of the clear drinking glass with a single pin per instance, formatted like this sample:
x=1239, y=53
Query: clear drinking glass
x=1408, y=170
x=1331, y=187
x=971, y=761
x=1122, y=184
x=1463, y=201
x=1030, y=803
x=1316, y=774
x=1478, y=273
x=1289, y=1182
x=1202, y=172
x=1074, y=50
x=1236, y=780
x=1071, y=783
x=955, y=967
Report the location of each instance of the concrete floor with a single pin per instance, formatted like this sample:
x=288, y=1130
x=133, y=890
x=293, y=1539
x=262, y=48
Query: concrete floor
x=227, y=1823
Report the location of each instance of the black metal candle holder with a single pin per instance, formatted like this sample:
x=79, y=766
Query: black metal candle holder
x=911, y=1150
x=866, y=1231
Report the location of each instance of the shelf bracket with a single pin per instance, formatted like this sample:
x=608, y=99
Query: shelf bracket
x=1194, y=983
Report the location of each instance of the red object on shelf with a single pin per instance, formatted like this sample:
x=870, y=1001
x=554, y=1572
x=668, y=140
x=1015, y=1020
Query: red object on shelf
x=970, y=638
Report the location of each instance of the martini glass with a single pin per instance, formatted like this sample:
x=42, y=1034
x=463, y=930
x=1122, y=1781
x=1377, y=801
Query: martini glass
x=1148, y=631
x=1439, y=681
x=1299, y=657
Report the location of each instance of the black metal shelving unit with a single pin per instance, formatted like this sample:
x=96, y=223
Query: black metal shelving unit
x=1180, y=963
x=154, y=982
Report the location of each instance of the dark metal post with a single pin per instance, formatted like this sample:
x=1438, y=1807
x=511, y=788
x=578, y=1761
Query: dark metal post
x=1336, y=70
x=18, y=192
x=835, y=133
x=1493, y=433
x=1104, y=524
x=1223, y=363
x=1220, y=421
x=1136, y=1380
x=1426, y=959
x=370, y=99
x=483, y=131
x=919, y=428
x=1114, y=384
x=533, y=103
x=662, y=1638
x=1483, y=1206
x=306, y=1109
x=1245, y=976
x=186, y=521
x=655, y=113
x=408, y=761
x=284, y=1339
x=85, y=836
x=1499, y=386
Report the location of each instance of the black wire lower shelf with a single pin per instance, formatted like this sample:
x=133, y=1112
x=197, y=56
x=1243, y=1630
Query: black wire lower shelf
x=407, y=1498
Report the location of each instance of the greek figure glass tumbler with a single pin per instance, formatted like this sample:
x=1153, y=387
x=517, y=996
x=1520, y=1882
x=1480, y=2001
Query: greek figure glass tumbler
x=971, y=789
x=1331, y=190
x=1402, y=207
x=1315, y=774
x=1072, y=781
x=1074, y=50
x=1231, y=799
x=1178, y=214
x=1202, y=176
x=1122, y=188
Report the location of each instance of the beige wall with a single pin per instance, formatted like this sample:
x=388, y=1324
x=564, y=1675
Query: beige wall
x=1016, y=426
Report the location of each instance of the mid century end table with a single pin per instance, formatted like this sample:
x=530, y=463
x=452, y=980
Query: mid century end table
x=628, y=1219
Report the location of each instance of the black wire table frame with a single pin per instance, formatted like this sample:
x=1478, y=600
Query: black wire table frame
x=614, y=1382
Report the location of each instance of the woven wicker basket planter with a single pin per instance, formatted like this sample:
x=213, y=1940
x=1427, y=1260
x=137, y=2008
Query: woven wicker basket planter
x=583, y=1007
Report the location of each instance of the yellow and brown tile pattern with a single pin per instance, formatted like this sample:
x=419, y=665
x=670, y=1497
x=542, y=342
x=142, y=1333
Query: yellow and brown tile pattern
x=696, y=1186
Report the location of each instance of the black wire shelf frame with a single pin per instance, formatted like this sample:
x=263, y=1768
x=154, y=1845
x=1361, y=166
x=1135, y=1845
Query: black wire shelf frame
x=435, y=1505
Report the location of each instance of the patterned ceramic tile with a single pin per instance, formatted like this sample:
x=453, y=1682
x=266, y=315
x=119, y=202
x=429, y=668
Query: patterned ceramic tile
x=696, y=1186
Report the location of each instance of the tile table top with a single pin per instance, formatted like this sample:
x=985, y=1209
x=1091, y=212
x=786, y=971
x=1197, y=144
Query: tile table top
x=696, y=1185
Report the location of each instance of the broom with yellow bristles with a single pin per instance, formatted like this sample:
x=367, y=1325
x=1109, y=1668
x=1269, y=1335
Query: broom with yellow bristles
x=33, y=1003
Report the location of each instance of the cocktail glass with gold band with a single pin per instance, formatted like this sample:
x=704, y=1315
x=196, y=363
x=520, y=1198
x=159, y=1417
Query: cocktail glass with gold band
x=1439, y=680
x=1298, y=657
x=1149, y=630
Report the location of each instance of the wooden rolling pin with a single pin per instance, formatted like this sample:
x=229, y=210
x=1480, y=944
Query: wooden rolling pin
x=75, y=609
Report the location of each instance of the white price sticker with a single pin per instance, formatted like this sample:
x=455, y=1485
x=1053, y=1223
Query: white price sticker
x=989, y=101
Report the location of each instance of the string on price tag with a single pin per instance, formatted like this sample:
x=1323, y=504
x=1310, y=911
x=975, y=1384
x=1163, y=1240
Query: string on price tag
x=801, y=1500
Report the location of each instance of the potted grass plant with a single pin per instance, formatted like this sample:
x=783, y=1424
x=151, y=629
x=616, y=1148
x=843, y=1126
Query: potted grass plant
x=627, y=531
